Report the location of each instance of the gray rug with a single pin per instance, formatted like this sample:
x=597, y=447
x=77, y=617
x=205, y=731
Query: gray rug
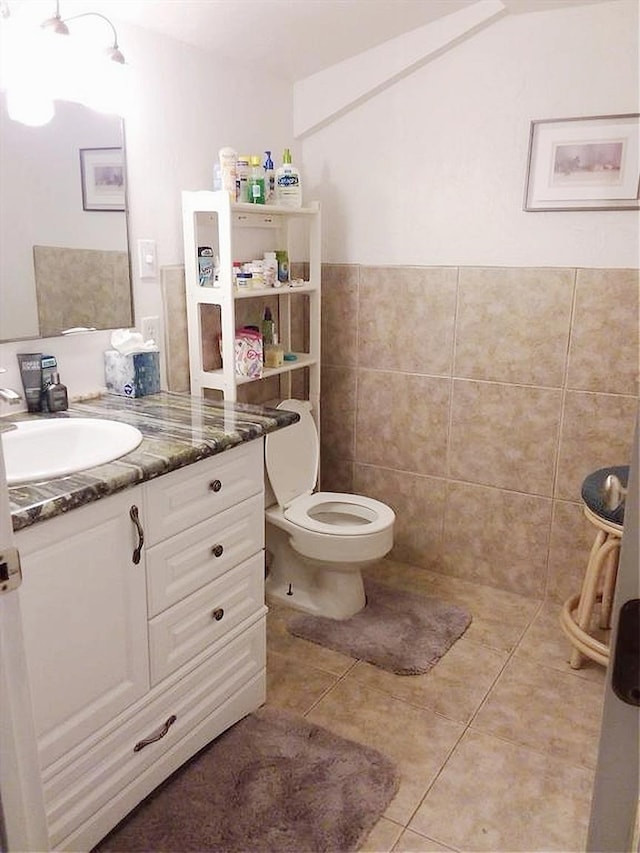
x=399, y=631
x=273, y=783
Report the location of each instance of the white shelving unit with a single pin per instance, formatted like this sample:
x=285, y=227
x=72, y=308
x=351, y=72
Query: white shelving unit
x=242, y=232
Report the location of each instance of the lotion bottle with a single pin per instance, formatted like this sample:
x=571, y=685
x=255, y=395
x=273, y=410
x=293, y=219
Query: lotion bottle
x=288, y=184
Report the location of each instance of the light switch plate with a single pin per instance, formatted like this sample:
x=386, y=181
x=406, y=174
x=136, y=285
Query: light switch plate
x=147, y=259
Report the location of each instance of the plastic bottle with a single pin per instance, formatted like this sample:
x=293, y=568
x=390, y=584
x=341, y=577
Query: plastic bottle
x=268, y=327
x=228, y=158
x=270, y=269
x=256, y=182
x=269, y=179
x=288, y=184
x=242, y=177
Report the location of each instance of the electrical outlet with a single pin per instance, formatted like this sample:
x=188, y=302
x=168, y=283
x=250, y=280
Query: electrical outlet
x=150, y=328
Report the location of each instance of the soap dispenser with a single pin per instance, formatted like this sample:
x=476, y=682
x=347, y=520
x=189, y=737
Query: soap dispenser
x=56, y=393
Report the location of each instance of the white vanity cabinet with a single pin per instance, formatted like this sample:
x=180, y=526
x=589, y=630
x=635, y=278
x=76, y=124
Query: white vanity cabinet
x=135, y=666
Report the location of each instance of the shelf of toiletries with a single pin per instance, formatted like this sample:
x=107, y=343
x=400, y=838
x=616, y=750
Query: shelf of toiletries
x=302, y=359
x=214, y=295
x=228, y=246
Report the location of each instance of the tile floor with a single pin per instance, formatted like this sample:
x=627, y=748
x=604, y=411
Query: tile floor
x=496, y=746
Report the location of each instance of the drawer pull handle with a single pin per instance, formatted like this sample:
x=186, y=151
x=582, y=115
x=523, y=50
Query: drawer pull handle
x=133, y=513
x=217, y=550
x=156, y=735
x=218, y=613
x=215, y=486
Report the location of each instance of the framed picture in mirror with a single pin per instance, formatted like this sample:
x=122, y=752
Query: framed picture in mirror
x=103, y=185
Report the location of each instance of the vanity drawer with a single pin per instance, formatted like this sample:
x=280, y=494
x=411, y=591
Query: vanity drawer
x=224, y=688
x=181, y=565
x=179, y=633
x=192, y=494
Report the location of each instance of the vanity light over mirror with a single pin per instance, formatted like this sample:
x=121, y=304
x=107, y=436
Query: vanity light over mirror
x=64, y=261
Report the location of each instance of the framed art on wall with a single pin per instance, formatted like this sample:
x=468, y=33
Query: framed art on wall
x=102, y=172
x=590, y=163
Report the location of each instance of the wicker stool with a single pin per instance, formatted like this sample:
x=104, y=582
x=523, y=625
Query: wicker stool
x=604, y=507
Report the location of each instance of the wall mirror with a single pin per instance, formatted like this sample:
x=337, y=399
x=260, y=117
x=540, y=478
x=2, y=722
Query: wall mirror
x=64, y=253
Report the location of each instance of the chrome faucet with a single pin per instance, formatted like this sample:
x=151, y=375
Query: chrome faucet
x=10, y=396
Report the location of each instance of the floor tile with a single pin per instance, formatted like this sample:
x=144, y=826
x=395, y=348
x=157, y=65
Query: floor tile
x=496, y=796
x=413, y=842
x=543, y=709
x=455, y=686
x=382, y=837
x=545, y=643
x=499, y=617
x=294, y=686
x=419, y=741
x=280, y=640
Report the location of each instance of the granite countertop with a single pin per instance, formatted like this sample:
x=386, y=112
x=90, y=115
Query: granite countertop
x=177, y=430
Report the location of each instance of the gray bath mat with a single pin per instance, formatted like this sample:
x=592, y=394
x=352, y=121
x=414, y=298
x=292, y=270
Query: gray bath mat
x=273, y=783
x=399, y=631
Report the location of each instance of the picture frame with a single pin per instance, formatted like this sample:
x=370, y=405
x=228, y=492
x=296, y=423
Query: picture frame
x=588, y=163
x=103, y=178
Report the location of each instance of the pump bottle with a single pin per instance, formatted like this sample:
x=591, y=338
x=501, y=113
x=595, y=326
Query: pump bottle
x=288, y=184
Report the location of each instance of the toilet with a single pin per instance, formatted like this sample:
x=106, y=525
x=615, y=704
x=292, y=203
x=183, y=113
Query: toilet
x=317, y=542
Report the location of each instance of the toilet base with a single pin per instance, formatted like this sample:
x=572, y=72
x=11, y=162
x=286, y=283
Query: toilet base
x=311, y=586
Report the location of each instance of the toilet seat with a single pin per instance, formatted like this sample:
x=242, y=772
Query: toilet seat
x=291, y=459
x=355, y=515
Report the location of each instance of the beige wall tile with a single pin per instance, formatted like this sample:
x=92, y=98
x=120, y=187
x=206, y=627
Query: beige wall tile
x=336, y=474
x=504, y=435
x=339, y=314
x=494, y=795
x=513, y=324
x=597, y=431
x=338, y=412
x=571, y=540
x=604, y=339
x=497, y=538
x=402, y=421
x=418, y=503
x=406, y=318
x=546, y=710
x=175, y=328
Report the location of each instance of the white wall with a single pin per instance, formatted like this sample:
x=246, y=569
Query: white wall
x=432, y=169
x=184, y=105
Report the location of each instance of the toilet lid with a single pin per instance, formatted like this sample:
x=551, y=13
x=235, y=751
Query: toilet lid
x=291, y=455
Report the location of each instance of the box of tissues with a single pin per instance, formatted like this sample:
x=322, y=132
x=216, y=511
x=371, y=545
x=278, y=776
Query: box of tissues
x=134, y=374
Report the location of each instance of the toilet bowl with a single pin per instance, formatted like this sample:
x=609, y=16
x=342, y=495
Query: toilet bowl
x=317, y=542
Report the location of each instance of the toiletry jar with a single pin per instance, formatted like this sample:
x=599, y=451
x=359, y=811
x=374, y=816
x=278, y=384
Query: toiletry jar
x=133, y=375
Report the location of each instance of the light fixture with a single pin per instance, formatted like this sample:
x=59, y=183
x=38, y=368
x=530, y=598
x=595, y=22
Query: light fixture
x=56, y=24
x=59, y=26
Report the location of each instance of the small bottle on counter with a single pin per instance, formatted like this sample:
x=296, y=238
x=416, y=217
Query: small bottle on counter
x=56, y=394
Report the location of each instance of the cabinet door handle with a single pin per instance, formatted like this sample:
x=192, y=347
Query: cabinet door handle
x=215, y=486
x=218, y=613
x=133, y=513
x=156, y=735
x=217, y=550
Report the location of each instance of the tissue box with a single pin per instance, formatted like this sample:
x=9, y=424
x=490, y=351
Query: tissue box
x=134, y=375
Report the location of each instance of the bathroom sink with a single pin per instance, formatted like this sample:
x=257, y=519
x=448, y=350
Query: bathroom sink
x=54, y=447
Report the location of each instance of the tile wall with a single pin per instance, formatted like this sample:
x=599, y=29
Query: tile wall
x=474, y=401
